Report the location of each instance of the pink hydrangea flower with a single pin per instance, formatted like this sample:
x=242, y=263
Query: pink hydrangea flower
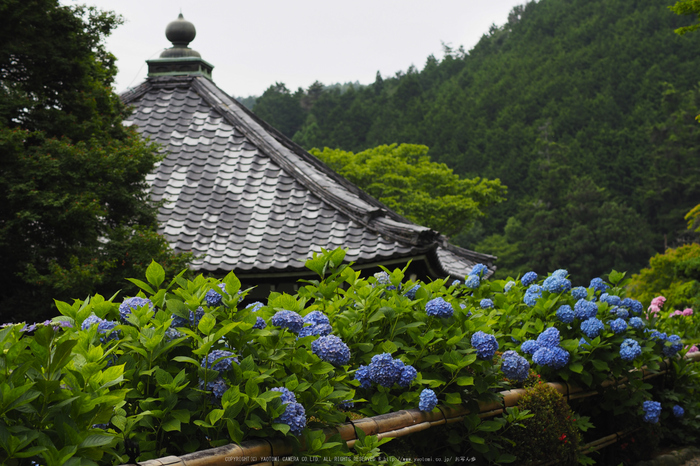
x=687, y=312
x=693, y=349
x=654, y=309
x=676, y=313
x=658, y=301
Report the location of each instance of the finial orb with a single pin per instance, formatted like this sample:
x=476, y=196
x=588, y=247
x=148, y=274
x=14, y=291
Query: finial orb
x=180, y=32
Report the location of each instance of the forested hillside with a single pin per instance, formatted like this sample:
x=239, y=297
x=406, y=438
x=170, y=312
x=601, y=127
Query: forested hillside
x=584, y=109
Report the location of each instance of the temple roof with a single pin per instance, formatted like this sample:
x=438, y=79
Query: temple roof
x=242, y=196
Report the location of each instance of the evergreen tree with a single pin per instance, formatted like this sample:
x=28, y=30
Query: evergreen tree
x=281, y=109
x=74, y=217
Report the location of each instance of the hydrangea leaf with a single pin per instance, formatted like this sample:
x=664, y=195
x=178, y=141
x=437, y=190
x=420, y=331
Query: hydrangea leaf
x=576, y=367
x=155, y=274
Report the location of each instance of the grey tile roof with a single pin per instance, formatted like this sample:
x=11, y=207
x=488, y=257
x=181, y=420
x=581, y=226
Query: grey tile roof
x=243, y=197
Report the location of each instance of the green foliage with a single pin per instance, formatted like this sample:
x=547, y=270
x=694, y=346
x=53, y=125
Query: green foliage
x=568, y=219
x=550, y=432
x=281, y=109
x=132, y=387
x=75, y=216
x=56, y=388
x=688, y=8
x=674, y=275
x=404, y=178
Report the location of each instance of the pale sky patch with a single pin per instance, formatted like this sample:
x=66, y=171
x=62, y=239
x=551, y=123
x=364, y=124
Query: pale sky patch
x=254, y=44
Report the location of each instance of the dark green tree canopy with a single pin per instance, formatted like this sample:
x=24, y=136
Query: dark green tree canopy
x=74, y=216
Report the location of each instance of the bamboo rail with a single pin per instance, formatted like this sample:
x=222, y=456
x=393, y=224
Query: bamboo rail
x=278, y=452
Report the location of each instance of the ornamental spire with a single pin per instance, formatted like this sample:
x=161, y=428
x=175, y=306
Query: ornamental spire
x=179, y=59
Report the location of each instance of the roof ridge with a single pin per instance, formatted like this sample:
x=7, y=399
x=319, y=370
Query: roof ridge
x=369, y=212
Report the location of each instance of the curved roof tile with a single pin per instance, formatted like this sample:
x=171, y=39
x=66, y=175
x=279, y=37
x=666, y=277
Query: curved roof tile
x=242, y=196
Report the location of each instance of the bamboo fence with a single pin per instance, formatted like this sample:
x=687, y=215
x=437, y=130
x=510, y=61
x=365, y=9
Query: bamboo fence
x=279, y=452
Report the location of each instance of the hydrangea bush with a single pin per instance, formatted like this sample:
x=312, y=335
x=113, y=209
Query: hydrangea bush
x=189, y=364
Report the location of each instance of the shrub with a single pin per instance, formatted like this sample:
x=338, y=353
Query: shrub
x=191, y=367
x=551, y=433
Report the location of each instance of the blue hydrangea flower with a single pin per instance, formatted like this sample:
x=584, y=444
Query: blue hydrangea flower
x=260, y=323
x=288, y=319
x=408, y=373
x=195, y=317
x=549, y=338
x=456, y=283
x=556, y=284
x=529, y=347
x=610, y=299
x=561, y=273
x=411, y=294
x=528, y=278
x=622, y=313
x=91, y=320
x=106, y=327
x=178, y=321
x=217, y=388
x=598, y=284
x=383, y=371
x=583, y=342
x=592, y=327
x=635, y=306
x=479, y=270
x=294, y=416
x=172, y=334
x=565, y=314
x=630, y=349
x=678, y=411
x=485, y=345
x=585, y=309
x=362, y=376
x=213, y=298
x=514, y=366
x=486, y=303
x=331, y=349
x=533, y=293
x=287, y=395
x=508, y=286
x=554, y=357
x=255, y=307
x=579, y=292
x=315, y=318
x=543, y=356
x=674, y=347
x=652, y=411
x=129, y=304
x=438, y=307
x=636, y=323
x=382, y=278
x=319, y=330
x=209, y=362
x=428, y=400
x=656, y=335
x=618, y=325
x=559, y=358
x=472, y=282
